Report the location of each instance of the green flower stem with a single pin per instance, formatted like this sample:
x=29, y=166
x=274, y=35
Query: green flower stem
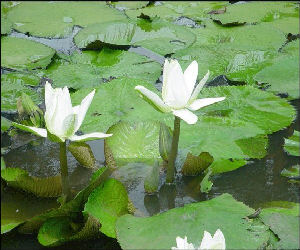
x=173, y=152
x=64, y=172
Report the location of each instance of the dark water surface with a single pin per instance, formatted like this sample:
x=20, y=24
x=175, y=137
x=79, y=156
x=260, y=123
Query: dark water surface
x=254, y=184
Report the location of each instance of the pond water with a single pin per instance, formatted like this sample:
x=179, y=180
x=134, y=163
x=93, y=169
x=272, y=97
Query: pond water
x=254, y=184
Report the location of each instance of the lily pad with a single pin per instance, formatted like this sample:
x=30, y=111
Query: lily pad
x=58, y=230
x=106, y=203
x=91, y=68
x=129, y=5
x=6, y=24
x=284, y=222
x=12, y=88
x=291, y=145
x=34, y=17
x=159, y=36
x=255, y=12
x=224, y=212
x=134, y=142
x=42, y=187
x=287, y=83
x=171, y=10
x=20, y=54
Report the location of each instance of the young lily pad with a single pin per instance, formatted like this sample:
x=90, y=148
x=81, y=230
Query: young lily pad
x=91, y=68
x=284, y=222
x=195, y=165
x=224, y=212
x=33, y=17
x=292, y=172
x=11, y=89
x=291, y=145
x=255, y=12
x=42, y=187
x=206, y=184
x=58, y=230
x=134, y=142
x=287, y=83
x=106, y=203
x=159, y=36
x=151, y=181
x=20, y=54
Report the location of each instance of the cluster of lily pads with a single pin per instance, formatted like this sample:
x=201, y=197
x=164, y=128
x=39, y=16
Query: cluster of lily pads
x=251, y=52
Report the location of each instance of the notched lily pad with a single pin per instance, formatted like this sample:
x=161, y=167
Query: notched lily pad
x=20, y=54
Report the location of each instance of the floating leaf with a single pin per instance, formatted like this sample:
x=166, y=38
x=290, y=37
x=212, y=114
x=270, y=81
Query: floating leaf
x=254, y=12
x=83, y=153
x=291, y=145
x=58, y=230
x=226, y=165
x=43, y=187
x=106, y=203
x=11, y=90
x=92, y=68
x=191, y=220
x=159, y=36
x=34, y=17
x=20, y=54
x=152, y=179
x=287, y=83
x=130, y=5
x=195, y=165
x=284, y=222
x=292, y=172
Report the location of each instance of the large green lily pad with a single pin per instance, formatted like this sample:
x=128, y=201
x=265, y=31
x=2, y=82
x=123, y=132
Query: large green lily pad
x=6, y=24
x=20, y=54
x=106, y=203
x=224, y=212
x=291, y=145
x=284, y=222
x=92, y=68
x=254, y=12
x=56, y=19
x=12, y=87
x=159, y=36
x=282, y=76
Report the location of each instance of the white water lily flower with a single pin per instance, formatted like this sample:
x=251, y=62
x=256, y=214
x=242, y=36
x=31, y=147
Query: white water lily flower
x=62, y=120
x=216, y=242
x=178, y=93
x=183, y=244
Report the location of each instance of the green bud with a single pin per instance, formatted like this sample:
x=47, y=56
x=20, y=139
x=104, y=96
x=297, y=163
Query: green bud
x=152, y=179
x=82, y=153
x=29, y=113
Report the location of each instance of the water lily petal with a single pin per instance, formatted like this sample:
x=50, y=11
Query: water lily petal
x=199, y=88
x=182, y=244
x=186, y=115
x=153, y=99
x=218, y=240
x=89, y=137
x=200, y=103
x=176, y=86
x=190, y=77
x=37, y=131
x=50, y=102
x=206, y=241
x=69, y=124
x=81, y=109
